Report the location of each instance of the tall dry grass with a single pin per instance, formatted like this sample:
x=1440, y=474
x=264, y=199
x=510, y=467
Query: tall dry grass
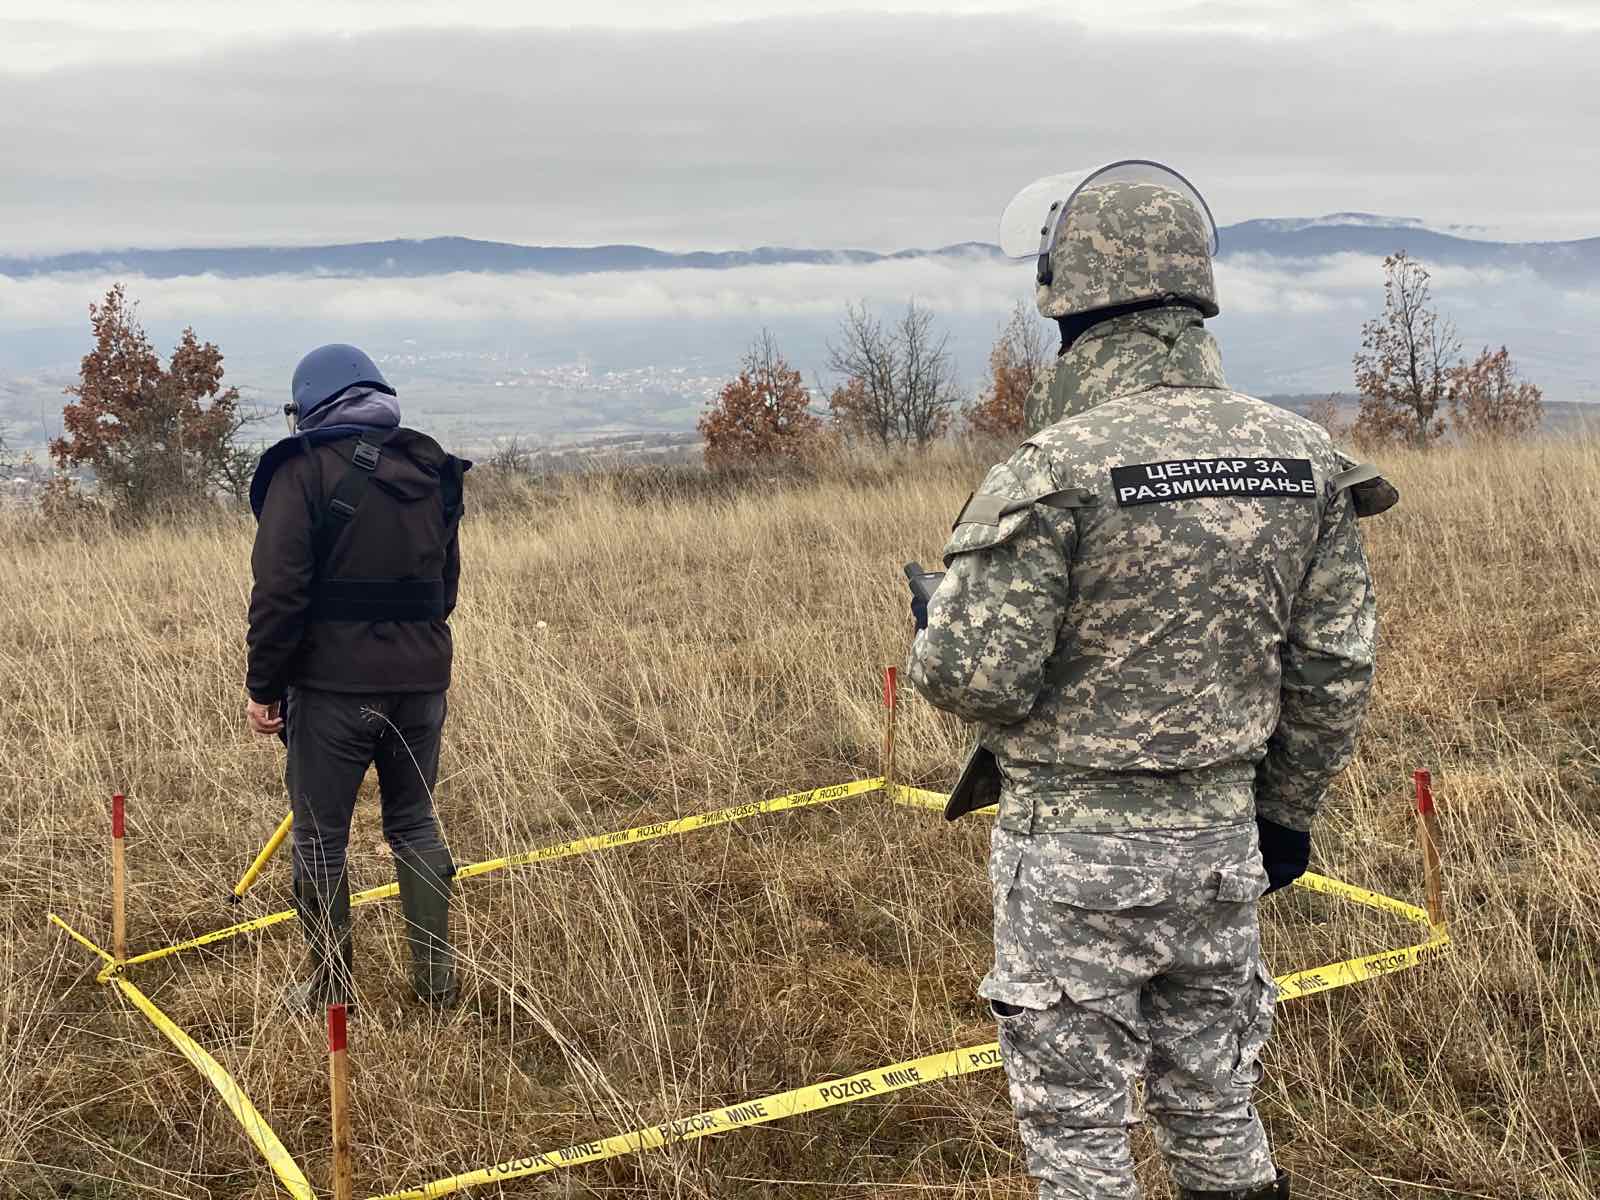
x=630, y=649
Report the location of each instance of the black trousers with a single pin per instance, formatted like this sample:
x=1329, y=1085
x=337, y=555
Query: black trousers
x=333, y=737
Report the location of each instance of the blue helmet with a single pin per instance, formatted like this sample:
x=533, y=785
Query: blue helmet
x=329, y=370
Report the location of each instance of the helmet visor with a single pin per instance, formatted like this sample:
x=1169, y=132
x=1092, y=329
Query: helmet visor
x=1029, y=225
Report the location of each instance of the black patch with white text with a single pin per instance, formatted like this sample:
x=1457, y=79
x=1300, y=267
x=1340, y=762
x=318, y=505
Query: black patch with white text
x=1194, y=478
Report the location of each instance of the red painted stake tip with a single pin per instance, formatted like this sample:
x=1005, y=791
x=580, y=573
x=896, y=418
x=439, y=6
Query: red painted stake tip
x=1424, y=782
x=890, y=682
x=117, y=823
x=337, y=1039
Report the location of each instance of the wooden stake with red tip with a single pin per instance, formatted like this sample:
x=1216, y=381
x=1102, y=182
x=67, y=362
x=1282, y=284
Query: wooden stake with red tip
x=1428, y=836
x=890, y=694
x=119, y=881
x=339, y=1095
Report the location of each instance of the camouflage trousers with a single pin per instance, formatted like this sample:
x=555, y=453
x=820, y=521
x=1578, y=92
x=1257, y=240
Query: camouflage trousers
x=1121, y=957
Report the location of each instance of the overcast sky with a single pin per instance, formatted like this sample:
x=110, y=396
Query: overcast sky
x=734, y=123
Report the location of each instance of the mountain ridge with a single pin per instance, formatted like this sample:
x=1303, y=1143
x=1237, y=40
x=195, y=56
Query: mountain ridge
x=1287, y=238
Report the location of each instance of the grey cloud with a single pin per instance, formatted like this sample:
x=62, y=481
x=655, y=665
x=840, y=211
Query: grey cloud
x=881, y=132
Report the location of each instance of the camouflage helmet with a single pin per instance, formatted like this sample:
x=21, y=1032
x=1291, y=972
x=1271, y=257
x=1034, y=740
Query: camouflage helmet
x=1130, y=231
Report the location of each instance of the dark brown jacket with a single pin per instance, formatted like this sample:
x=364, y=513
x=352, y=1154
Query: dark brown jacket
x=400, y=532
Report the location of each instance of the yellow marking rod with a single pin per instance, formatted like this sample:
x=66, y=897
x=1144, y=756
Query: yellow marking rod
x=253, y=872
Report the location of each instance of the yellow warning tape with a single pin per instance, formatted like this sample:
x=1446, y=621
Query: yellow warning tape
x=915, y=1072
x=1356, y=970
x=80, y=939
x=1348, y=891
x=923, y=798
x=919, y=797
x=588, y=845
x=876, y=1082
x=811, y=1098
x=662, y=829
x=249, y=1117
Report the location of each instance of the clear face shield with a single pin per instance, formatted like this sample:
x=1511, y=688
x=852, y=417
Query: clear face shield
x=1038, y=213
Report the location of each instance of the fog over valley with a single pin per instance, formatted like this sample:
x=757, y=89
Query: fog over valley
x=592, y=343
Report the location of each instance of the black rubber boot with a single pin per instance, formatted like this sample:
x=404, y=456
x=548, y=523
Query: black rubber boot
x=1276, y=1190
x=425, y=881
x=325, y=920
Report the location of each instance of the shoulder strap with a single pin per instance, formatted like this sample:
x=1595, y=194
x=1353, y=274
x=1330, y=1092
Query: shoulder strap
x=1360, y=473
x=347, y=494
x=451, y=491
x=983, y=508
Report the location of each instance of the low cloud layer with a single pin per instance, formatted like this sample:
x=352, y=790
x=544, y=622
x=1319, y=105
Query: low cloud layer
x=1250, y=286
x=1285, y=325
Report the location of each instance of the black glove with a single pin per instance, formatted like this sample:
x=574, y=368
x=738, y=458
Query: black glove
x=1285, y=853
x=923, y=585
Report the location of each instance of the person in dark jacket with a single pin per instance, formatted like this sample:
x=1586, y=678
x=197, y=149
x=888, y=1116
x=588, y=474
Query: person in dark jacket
x=356, y=566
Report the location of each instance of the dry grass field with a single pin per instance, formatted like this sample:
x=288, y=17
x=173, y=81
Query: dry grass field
x=629, y=649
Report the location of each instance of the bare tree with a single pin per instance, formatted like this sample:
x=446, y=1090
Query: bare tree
x=1407, y=361
x=899, y=383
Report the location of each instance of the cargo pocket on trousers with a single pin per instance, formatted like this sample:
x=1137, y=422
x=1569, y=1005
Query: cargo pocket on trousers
x=1243, y=883
x=1018, y=1002
x=1255, y=1025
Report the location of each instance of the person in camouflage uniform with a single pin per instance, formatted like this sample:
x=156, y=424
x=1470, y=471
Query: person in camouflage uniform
x=1159, y=614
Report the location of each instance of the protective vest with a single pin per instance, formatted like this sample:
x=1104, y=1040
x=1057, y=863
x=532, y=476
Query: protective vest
x=365, y=599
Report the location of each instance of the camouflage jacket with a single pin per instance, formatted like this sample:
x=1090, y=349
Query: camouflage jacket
x=1159, y=609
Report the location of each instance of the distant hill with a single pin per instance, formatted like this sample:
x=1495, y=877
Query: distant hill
x=1282, y=238
x=1364, y=233
x=432, y=256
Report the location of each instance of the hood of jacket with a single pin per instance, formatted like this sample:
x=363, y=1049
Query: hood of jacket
x=1159, y=347
x=358, y=406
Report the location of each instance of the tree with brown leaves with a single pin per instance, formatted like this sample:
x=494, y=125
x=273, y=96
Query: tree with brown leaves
x=763, y=415
x=155, y=437
x=1489, y=401
x=1406, y=362
x=899, y=383
x=1014, y=363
